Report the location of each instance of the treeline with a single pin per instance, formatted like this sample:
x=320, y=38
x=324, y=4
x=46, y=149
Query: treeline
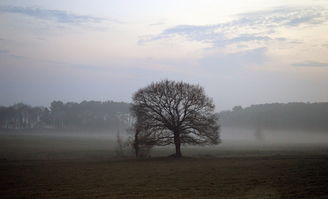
x=96, y=115
x=297, y=116
x=86, y=115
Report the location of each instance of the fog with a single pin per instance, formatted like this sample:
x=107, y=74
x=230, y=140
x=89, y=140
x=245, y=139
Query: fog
x=236, y=142
x=268, y=136
x=163, y=99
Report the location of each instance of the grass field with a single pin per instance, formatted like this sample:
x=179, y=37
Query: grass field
x=37, y=166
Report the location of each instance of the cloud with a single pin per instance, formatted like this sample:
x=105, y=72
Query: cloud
x=157, y=24
x=311, y=64
x=284, y=16
x=233, y=61
x=4, y=51
x=59, y=16
x=255, y=26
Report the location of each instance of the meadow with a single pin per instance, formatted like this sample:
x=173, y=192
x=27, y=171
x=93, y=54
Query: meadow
x=75, y=166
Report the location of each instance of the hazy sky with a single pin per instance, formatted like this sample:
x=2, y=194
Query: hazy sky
x=241, y=51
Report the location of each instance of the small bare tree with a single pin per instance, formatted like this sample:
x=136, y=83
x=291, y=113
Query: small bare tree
x=123, y=148
x=120, y=145
x=143, y=141
x=170, y=112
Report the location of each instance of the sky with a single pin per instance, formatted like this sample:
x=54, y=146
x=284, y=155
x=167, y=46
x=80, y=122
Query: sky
x=242, y=52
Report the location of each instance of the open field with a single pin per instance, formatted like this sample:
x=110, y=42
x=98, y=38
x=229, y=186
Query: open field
x=36, y=166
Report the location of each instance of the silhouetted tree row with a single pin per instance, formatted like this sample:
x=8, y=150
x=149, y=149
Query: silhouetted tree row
x=298, y=116
x=85, y=115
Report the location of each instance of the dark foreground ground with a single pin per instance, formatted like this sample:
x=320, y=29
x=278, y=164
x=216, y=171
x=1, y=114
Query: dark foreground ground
x=270, y=175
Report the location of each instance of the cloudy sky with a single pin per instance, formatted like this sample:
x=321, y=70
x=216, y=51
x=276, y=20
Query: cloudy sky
x=241, y=51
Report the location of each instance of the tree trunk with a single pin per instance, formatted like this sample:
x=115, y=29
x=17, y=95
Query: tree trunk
x=177, y=143
x=136, y=148
x=136, y=143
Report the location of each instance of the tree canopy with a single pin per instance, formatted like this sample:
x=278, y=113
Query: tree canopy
x=170, y=112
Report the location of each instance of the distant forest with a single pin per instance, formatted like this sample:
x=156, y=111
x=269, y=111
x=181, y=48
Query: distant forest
x=109, y=115
x=293, y=116
x=87, y=115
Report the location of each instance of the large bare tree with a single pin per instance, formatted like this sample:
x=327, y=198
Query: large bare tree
x=170, y=112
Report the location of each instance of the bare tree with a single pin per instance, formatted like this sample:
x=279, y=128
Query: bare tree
x=143, y=140
x=170, y=112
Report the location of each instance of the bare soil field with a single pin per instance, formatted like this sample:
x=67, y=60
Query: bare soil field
x=83, y=171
